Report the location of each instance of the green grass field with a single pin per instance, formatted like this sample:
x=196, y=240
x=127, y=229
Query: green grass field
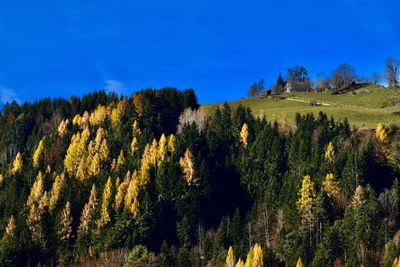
x=364, y=107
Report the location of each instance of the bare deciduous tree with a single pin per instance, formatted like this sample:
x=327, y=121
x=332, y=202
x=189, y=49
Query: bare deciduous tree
x=322, y=82
x=392, y=70
x=343, y=75
x=189, y=116
x=375, y=78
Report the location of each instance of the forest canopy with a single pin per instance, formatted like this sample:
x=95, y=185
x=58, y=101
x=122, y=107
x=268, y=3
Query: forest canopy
x=153, y=180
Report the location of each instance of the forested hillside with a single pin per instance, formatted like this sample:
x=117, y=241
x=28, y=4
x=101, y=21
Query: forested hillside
x=152, y=180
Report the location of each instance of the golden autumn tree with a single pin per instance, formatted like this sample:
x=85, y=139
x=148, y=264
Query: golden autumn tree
x=187, y=165
x=149, y=158
x=135, y=135
x=98, y=153
x=77, y=120
x=10, y=229
x=98, y=116
x=34, y=219
x=153, y=153
x=38, y=153
x=131, y=202
x=299, y=263
x=65, y=232
x=162, y=149
x=306, y=200
x=88, y=213
x=121, y=192
x=118, y=112
x=171, y=144
x=56, y=190
x=120, y=160
x=258, y=258
x=254, y=258
x=37, y=190
x=135, y=128
x=330, y=152
x=230, y=258
x=17, y=164
x=381, y=134
x=331, y=186
x=62, y=127
x=240, y=263
x=105, y=204
x=76, y=152
x=137, y=103
x=244, y=135
x=396, y=262
x=249, y=258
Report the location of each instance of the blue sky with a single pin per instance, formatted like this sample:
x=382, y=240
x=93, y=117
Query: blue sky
x=219, y=48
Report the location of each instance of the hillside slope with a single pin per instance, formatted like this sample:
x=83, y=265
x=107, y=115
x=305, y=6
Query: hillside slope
x=364, y=107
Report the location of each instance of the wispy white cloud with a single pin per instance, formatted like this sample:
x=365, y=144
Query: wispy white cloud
x=7, y=95
x=115, y=86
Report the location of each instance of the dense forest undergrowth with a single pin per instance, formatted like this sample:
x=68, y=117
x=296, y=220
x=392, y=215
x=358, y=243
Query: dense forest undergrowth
x=151, y=180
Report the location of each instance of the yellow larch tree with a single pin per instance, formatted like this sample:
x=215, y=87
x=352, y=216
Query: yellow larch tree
x=244, y=134
x=249, y=258
x=118, y=112
x=396, y=262
x=331, y=186
x=153, y=152
x=88, y=213
x=56, y=191
x=131, y=203
x=85, y=120
x=34, y=218
x=17, y=164
x=38, y=153
x=149, y=158
x=76, y=151
x=120, y=160
x=98, y=116
x=230, y=258
x=135, y=128
x=162, y=149
x=137, y=103
x=187, y=165
x=134, y=145
x=81, y=121
x=299, y=263
x=77, y=120
x=306, y=199
x=381, y=133
x=258, y=258
x=37, y=190
x=240, y=263
x=121, y=192
x=105, y=204
x=65, y=232
x=62, y=127
x=82, y=172
x=330, y=152
x=135, y=135
x=98, y=153
x=171, y=144
x=95, y=166
x=10, y=229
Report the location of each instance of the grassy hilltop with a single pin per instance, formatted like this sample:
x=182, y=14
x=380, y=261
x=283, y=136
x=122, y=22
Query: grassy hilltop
x=364, y=107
